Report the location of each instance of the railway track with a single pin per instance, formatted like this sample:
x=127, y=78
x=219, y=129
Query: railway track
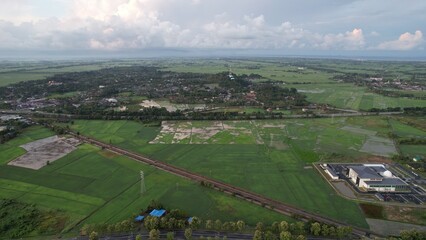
x=258, y=199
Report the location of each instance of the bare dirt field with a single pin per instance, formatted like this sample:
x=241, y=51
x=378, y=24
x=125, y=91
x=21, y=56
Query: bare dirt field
x=149, y=104
x=42, y=151
x=379, y=146
x=388, y=228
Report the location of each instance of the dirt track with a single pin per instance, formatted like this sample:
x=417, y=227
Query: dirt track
x=229, y=189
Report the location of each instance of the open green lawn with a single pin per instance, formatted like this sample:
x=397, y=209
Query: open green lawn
x=94, y=186
x=278, y=168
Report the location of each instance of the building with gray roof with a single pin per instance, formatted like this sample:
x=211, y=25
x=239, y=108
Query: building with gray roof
x=375, y=177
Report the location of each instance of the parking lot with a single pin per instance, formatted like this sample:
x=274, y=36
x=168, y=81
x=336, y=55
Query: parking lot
x=403, y=198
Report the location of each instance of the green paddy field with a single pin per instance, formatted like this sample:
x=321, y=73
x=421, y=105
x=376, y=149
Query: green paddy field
x=94, y=186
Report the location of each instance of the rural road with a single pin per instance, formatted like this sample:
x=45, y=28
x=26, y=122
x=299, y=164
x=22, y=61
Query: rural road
x=179, y=235
x=255, y=198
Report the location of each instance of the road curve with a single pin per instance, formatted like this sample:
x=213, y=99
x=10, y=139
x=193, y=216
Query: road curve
x=255, y=198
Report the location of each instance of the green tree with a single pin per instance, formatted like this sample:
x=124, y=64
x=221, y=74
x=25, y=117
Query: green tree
x=299, y=227
x=258, y=235
x=154, y=234
x=126, y=226
x=275, y=227
x=283, y=226
x=269, y=235
x=412, y=235
x=315, y=229
x=209, y=224
x=117, y=228
x=164, y=223
x=300, y=237
x=226, y=226
x=171, y=224
x=138, y=237
x=259, y=226
x=93, y=236
x=332, y=231
x=325, y=231
x=170, y=235
x=111, y=228
x=218, y=225
x=181, y=224
x=241, y=225
x=188, y=233
x=86, y=229
x=285, y=235
x=343, y=231
x=195, y=223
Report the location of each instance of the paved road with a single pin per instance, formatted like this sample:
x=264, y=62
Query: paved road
x=179, y=234
x=255, y=198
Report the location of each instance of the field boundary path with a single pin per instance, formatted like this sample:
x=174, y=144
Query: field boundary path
x=255, y=198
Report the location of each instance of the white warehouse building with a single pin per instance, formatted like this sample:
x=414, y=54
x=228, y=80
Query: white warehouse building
x=375, y=177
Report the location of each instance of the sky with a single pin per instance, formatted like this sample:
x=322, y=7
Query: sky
x=305, y=27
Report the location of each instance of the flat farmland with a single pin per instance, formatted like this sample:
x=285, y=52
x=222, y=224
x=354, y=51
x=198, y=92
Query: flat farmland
x=15, y=77
x=283, y=72
x=91, y=185
x=345, y=95
x=413, y=150
x=273, y=157
x=19, y=72
x=270, y=157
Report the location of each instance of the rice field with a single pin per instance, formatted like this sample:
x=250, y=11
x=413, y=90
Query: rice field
x=91, y=185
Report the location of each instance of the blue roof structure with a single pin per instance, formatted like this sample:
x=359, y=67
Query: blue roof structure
x=157, y=212
x=139, y=218
x=190, y=220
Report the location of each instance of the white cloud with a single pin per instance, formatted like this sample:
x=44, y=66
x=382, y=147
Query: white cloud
x=352, y=40
x=406, y=41
x=137, y=24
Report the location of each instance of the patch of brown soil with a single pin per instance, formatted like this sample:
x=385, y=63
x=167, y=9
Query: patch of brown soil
x=374, y=159
x=405, y=214
x=107, y=154
x=372, y=210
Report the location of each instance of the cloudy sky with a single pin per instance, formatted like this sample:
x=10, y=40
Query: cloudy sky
x=283, y=26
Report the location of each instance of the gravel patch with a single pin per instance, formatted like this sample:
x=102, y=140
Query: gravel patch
x=388, y=228
x=42, y=151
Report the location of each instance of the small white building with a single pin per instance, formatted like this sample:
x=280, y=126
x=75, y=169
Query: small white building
x=333, y=175
x=375, y=177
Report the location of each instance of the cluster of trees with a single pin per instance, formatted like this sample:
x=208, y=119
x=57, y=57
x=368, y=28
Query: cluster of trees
x=359, y=79
x=415, y=111
x=8, y=134
x=298, y=230
x=412, y=141
x=18, y=219
x=410, y=235
x=95, y=86
x=13, y=129
x=103, y=228
x=389, y=109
